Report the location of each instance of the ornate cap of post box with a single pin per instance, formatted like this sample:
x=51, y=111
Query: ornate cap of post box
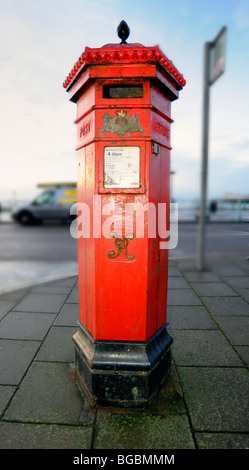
x=123, y=31
x=124, y=53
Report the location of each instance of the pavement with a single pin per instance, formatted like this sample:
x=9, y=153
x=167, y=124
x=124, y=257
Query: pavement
x=15, y=275
x=204, y=404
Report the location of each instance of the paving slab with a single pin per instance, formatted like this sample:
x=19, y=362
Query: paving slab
x=236, y=329
x=65, y=282
x=205, y=276
x=142, y=431
x=227, y=270
x=16, y=295
x=189, y=317
x=174, y=271
x=243, y=351
x=48, y=289
x=171, y=262
x=47, y=395
x=186, y=265
x=203, y=348
x=41, y=303
x=15, y=358
x=170, y=397
x=213, y=289
x=222, y=441
x=5, y=307
x=6, y=392
x=26, y=325
x=243, y=293
x=43, y=436
x=226, y=305
x=74, y=296
x=237, y=281
x=182, y=297
x=217, y=398
x=177, y=282
x=58, y=345
x=68, y=316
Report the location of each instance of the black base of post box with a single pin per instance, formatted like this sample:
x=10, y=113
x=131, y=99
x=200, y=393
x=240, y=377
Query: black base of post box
x=121, y=373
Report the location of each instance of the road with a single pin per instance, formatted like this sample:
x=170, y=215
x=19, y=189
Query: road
x=224, y=238
x=37, y=243
x=31, y=254
x=54, y=242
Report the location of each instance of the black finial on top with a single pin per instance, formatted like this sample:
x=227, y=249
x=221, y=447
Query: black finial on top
x=123, y=31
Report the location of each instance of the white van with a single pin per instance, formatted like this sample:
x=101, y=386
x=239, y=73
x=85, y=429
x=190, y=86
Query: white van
x=53, y=204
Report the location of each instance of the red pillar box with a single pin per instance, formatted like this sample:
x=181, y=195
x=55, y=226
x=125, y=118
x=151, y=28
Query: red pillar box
x=123, y=94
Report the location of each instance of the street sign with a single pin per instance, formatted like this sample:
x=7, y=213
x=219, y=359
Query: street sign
x=218, y=55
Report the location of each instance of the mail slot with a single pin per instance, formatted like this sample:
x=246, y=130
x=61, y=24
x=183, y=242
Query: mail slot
x=122, y=91
x=123, y=94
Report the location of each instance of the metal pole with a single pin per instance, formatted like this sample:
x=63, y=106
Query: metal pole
x=204, y=165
